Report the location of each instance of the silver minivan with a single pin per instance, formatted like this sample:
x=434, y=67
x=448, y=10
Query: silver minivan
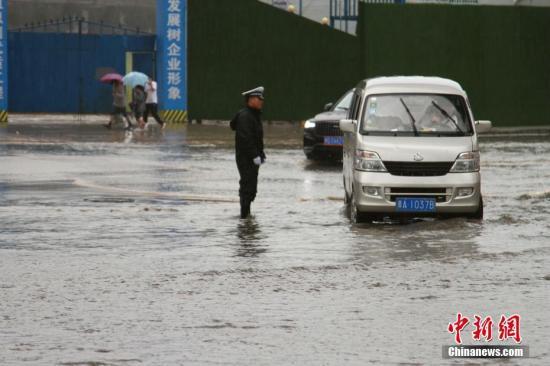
x=411, y=149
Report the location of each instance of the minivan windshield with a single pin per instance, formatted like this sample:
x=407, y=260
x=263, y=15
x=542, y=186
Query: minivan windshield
x=417, y=115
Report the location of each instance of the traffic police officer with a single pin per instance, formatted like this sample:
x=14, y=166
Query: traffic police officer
x=249, y=146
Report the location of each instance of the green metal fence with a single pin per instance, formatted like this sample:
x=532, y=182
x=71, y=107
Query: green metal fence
x=500, y=55
x=239, y=44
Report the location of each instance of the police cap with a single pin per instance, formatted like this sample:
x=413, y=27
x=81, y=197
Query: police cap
x=256, y=92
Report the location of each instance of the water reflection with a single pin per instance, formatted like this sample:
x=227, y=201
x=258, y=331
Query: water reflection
x=432, y=240
x=47, y=134
x=323, y=166
x=250, y=237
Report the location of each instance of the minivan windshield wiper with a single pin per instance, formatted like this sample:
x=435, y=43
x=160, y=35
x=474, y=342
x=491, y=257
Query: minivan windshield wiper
x=413, y=122
x=446, y=114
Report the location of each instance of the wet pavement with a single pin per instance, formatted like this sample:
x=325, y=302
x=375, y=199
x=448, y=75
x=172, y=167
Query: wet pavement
x=127, y=249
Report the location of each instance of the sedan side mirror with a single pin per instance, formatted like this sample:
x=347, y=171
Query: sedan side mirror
x=348, y=125
x=483, y=126
x=328, y=106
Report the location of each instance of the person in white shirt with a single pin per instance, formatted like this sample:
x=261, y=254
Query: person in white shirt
x=151, y=104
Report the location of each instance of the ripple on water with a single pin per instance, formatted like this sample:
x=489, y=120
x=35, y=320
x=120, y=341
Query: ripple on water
x=109, y=200
x=507, y=219
x=543, y=195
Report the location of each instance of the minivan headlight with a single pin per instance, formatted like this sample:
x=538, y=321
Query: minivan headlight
x=467, y=162
x=309, y=124
x=368, y=161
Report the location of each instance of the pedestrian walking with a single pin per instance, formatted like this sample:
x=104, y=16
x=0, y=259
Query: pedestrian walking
x=119, y=105
x=249, y=146
x=138, y=104
x=151, y=104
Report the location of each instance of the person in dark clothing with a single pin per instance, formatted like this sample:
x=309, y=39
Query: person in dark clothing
x=249, y=146
x=119, y=105
x=138, y=104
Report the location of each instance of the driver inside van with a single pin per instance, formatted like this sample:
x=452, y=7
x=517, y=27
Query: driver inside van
x=385, y=123
x=434, y=120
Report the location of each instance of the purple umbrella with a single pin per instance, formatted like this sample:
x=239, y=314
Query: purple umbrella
x=109, y=78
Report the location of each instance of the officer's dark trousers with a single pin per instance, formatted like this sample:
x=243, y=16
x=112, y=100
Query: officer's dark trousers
x=249, y=179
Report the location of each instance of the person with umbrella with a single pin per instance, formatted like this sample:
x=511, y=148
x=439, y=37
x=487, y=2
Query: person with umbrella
x=138, y=104
x=137, y=80
x=249, y=146
x=119, y=99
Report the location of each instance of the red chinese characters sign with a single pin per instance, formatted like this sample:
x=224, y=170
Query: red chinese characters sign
x=508, y=328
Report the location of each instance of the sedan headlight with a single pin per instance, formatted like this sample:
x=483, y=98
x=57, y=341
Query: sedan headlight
x=309, y=124
x=467, y=162
x=368, y=161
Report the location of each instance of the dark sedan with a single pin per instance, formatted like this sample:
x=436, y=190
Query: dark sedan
x=322, y=136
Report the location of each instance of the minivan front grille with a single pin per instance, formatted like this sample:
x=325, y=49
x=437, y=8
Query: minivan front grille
x=440, y=194
x=420, y=169
x=328, y=129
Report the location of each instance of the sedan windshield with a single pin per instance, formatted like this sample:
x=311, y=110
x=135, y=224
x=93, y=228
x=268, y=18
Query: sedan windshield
x=416, y=114
x=343, y=103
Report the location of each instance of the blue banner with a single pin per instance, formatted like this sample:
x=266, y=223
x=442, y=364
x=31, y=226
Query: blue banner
x=172, y=58
x=3, y=60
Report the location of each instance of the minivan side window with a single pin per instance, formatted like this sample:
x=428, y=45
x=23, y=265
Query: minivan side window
x=354, y=108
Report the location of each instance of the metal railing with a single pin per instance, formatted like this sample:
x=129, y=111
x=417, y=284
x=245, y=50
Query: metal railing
x=80, y=25
x=342, y=12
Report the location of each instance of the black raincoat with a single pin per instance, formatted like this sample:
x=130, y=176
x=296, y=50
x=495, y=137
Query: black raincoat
x=249, y=144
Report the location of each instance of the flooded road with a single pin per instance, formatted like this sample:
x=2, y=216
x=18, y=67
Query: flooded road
x=127, y=249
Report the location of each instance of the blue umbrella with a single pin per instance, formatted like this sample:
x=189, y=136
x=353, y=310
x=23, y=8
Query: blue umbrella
x=135, y=78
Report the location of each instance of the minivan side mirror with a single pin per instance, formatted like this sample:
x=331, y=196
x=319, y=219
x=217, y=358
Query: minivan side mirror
x=328, y=106
x=348, y=125
x=483, y=126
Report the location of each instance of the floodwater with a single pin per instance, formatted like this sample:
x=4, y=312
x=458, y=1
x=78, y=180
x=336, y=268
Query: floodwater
x=127, y=249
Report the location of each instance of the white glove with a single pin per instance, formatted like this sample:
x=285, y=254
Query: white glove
x=257, y=160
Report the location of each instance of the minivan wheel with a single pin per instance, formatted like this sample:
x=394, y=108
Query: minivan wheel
x=346, y=197
x=478, y=215
x=355, y=215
